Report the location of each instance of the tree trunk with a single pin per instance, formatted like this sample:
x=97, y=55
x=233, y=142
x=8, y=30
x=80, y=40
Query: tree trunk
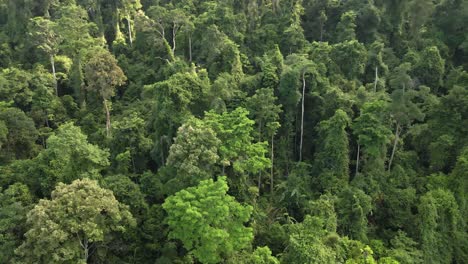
x=130, y=37
x=357, y=159
x=86, y=250
x=395, y=143
x=174, y=33
x=52, y=62
x=272, y=158
x=108, y=121
x=302, y=117
x=190, y=47
x=376, y=79
x=84, y=243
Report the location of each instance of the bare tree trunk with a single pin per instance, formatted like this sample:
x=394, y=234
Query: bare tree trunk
x=395, y=143
x=376, y=79
x=302, y=117
x=357, y=159
x=130, y=37
x=190, y=47
x=272, y=162
x=108, y=121
x=86, y=250
x=85, y=246
x=174, y=33
x=52, y=62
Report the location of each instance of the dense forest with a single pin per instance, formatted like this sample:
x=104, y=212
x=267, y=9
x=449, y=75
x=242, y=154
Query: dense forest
x=234, y=131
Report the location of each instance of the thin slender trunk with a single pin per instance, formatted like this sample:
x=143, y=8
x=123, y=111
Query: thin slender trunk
x=395, y=143
x=376, y=79
x=272, y=162
x=302, y=117
x=52, y=62
x=357, y=159
x=86, y=250
x=85, y=246
x=108, y=121
x=174, y=33
x=190, y=47
x=130, y=37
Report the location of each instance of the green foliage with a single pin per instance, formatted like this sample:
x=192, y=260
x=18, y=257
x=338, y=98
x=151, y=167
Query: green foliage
x=372, y=131
x=342, y=125
x=306, y=243
x=194, y=155
x=19, y=134
x=350, y=57
x=346, y=28
x=208, y=221
x=430, y=69
x=68, y=157
x=16, y=201
x=352, y=207
x=439, y=227
x=69, y=227
x=332, y=158
x=234, y=129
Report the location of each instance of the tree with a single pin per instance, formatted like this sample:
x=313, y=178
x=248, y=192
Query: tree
x=44, y=35
x=15, y=86
x=346, y=27
x=208, y=221
x=130, y=135
x=103, y=75
x=68, y=157
x=74, y=224
x=306, y=243
x=332, y=157
x=194, y=155
x=266, y=112
x=15, y=202
x=404, y=107
x=237, y=149
x=129, y=8
x=174, y=101
x=350, y=58
x=439, y=226
x=19, y=134
x=75, y=30
x=430, y=69
x=376, y=63
x=373, y=135
x=160, y=20
x=353, y=206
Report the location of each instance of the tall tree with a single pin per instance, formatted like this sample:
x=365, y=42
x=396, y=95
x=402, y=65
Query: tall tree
x=73, y=225
x=194, y=155
x=332, y=157
x=103, y=75
x=68, y=157
x=208, y=221
x=439, y=226
x=44, y=35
